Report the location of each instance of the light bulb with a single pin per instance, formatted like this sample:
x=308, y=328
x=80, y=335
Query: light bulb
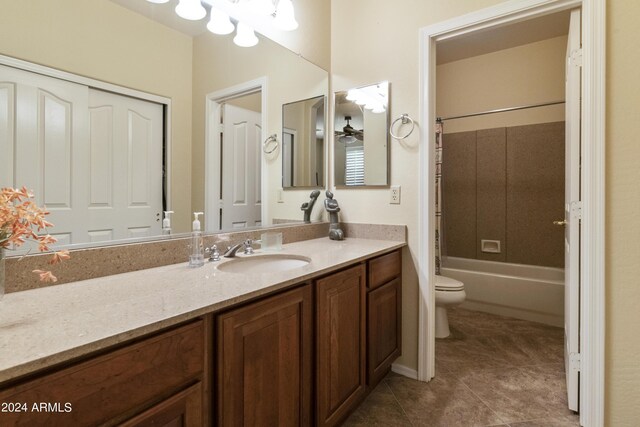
x=347, y=139
x=219, y=23
x=158, y=1
x=352, y=95
x=245, y=36
x=191, y=10
x=285, y=17
x=261, y=7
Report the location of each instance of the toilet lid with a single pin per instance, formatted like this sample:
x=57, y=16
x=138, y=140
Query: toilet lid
x=448, y=284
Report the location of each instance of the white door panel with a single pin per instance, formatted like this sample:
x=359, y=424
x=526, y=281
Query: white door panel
x=241, y=168
x=7, y=132
x=572, y=198
x=49, y=147
x=93, y=158
x=126, y=166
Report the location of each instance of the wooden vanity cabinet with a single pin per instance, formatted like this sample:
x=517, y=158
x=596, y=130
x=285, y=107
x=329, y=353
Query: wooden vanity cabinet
x=384, y=320
x=265, y=360
x=340, y=338
x=305, y=356
x=166, y=372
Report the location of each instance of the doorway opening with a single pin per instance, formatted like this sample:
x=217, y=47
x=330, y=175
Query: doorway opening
x=234, y=172
x=590, y=360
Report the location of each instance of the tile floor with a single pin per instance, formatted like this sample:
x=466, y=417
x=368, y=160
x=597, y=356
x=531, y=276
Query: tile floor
x=491, y=371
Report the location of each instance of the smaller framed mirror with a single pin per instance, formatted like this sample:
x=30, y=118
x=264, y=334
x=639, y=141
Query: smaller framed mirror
x=303, y=137
x=361, y=130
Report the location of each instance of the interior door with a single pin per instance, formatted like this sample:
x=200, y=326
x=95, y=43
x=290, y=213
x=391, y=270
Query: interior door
x=43, y=146
x=241, y=168
x=572, y=212
x=125, y=167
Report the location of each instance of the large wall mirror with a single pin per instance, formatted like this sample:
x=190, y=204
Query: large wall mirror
x=120, y=126
x=303, y=147
x=361, y=129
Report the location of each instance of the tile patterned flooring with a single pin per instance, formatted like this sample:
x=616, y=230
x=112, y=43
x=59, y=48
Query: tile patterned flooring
x=491, y=371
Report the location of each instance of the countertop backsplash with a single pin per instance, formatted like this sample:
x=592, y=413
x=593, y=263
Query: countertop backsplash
x=108, y=260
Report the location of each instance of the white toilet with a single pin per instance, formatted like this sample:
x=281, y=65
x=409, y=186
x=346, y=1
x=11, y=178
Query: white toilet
x=448, y=292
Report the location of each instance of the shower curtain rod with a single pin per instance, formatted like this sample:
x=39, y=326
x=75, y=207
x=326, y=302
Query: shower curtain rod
x=500, y=110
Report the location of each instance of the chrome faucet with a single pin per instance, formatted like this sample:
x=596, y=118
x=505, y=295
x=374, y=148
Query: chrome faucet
x=247, y=245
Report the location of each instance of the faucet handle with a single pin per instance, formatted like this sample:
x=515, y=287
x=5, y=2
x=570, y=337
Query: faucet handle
x=248, y=247
x=214, y=253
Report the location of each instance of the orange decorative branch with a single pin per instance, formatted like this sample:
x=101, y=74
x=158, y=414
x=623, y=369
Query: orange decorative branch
x=21, y=220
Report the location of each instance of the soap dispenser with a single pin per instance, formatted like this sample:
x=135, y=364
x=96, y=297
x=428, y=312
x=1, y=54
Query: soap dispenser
x=196, y=259
x=166, y=223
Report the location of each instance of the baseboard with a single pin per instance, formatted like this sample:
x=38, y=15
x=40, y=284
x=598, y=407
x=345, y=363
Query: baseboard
x=518, y=313
x=404, y=371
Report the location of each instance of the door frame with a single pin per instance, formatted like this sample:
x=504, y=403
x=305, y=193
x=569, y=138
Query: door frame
x=213, y=109
x=592, y=245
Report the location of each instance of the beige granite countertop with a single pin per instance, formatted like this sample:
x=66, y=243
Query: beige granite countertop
x=43, y=327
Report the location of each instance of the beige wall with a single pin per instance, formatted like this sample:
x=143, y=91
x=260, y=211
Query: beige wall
x=101, y=40
x=523, y=75
x=375, y=148
x=382, y=44
x=623, y=204
x=251, y=102
x=219, y=64
x=312, y=39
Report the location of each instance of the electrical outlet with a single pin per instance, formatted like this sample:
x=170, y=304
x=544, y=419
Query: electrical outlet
x=280, y=196
x=395, y=195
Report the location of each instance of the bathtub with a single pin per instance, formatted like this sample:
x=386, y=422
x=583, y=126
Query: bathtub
x=522, y=291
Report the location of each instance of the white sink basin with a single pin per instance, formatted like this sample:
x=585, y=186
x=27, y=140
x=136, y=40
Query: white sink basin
x=271, y=263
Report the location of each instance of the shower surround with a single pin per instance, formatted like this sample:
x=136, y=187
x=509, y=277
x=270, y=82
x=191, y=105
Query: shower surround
x=505, y=184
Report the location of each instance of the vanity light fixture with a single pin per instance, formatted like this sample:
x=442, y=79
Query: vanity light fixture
x=245, y=36
x=248, y=14
x=219, y=23
x=260, y=7
x=191, y=10
x=371, y=97
x=285, y=17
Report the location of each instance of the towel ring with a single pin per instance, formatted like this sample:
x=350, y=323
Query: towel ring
x=405, y=119
x=271, y=140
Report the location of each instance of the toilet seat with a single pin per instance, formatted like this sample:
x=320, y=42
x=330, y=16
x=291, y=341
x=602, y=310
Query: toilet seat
x=444, y=283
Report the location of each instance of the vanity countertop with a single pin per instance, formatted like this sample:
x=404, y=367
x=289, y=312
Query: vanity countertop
x=44, y=327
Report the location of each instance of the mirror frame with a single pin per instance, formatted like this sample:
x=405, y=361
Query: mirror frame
x=325, y=155
x=388, y=139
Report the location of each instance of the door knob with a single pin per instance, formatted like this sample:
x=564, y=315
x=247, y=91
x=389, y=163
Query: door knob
x=563, y=222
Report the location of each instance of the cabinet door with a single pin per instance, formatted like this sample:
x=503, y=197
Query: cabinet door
x=265, y=361
x=384, y=329
x=181, y=410
x=114, y=386
x=341, y=344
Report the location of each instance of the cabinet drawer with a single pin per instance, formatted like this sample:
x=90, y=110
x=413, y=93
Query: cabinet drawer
x=383, y=269
x=184, y=409
x=107, y=388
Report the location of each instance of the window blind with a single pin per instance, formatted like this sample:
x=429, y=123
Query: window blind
x=354, y=174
